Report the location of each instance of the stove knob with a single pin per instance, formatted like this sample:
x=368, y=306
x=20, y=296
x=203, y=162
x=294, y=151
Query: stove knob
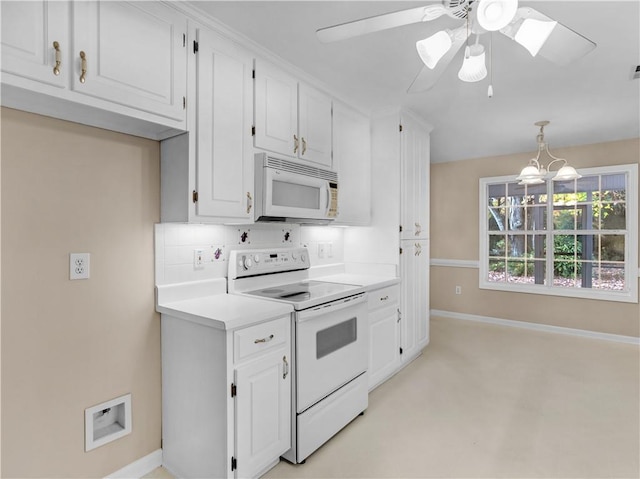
x=247, y=263
x=294, y=255
x=303, y=258
x=256, y=258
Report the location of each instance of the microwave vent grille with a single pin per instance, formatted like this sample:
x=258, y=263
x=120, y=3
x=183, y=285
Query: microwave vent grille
x=307, y=170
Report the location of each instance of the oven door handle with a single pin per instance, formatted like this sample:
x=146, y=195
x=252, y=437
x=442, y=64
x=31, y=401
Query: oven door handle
x=331, y=307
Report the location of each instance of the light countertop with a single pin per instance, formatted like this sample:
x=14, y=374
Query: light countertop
x=225, y=311
x=370, y=282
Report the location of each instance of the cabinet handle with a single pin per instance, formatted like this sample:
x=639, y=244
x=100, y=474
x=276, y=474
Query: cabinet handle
x=296, y=143
x=304, y=145
x=384, y=298
x=264, y=340
x=418, y=229
x=249, y=202
x=83, y=76
x=418, y=249
x=56, y=69
x=286, y=367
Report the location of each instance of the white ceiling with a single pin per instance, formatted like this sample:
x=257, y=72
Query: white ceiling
x=592, y=100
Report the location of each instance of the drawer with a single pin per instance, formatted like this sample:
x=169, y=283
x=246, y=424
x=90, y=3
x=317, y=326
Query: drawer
x=261, y=338
x=383, y=297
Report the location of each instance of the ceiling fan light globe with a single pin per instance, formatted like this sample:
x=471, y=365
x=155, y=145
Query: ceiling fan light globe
x=533, y=34
x=567, y=173
x=433, y=48
x=494, y=15
x=474, y=68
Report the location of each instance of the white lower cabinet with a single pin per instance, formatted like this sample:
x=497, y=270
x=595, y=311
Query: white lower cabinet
x=384, y=335
x=414, y=300
x=226, y=398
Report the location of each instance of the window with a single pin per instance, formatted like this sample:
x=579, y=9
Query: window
x=570, y=238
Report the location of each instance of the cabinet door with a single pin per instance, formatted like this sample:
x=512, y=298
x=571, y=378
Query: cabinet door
x=314, y=125
x=29, y=30
x=384, y=344
x=263, y=412
x=276, y=110
x=352, y=161
x=224, y=113
x=415, y=165
x=135, y=55
x=414, y=308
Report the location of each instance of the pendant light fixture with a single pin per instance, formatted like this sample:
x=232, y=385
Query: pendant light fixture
x=535, y=172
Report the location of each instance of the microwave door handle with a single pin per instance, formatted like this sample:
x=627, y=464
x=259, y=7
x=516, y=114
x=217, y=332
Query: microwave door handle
x=328, y=197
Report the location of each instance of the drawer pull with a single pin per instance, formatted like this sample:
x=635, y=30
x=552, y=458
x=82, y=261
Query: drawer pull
x=83, y=76
x=304, y=145
x=56, y=69
x=296, y=143
x=249, y=202
x=384, y=298
x=264, y=340
x=285, y=368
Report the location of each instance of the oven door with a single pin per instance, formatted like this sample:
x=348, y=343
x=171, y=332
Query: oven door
x=331, y=348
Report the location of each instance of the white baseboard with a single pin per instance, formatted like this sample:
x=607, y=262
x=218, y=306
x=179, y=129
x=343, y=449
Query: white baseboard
x=537, y=327
x=139, y=468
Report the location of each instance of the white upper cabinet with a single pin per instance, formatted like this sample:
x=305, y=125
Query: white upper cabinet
x=118, y=65
x=290, y=118
x=134, y=53
x=224, y=120
x=314, y=125
x=352, y=161
x=414, y=164
x=276, y=110
x=34, y=36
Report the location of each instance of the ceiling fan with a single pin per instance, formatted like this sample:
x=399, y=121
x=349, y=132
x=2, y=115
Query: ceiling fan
x=538, y=33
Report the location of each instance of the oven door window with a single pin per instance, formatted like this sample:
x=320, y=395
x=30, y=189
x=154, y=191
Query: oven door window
x=336, y=337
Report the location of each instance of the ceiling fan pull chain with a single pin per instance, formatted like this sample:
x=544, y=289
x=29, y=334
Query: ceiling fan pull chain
x=490, y=89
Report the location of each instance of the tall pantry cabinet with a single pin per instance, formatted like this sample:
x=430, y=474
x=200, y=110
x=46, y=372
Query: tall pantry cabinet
x=400, y=223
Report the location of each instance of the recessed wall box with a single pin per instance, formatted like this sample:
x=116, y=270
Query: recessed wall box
x=107, y=422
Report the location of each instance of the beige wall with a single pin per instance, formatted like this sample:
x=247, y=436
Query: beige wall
x=68, y=345
x=455, y=231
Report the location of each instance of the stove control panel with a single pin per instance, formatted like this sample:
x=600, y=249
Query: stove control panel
x=253, y=262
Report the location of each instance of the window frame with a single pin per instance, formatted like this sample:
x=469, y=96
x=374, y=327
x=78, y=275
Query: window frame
x=630, y=295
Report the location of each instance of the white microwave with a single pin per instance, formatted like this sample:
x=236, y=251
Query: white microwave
x=289, y=191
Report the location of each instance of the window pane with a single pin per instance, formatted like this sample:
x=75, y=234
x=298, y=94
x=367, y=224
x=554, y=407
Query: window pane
x=497, y=218
x=537, y=218
x=613, y=187
x=516, y=270
x=589, y=247
x=612, y=247
x=516, y=218
x=613, y=216
x=608, y=277
x=564, y=218
x=565, y=273
x=514, y=190
x=563, y=188
x=537, y=246
x=496, y=270
x=516, y=246
x=586, y=187
x=565, y=247
x=496, y=192
x=537, y=194
x=497, y=245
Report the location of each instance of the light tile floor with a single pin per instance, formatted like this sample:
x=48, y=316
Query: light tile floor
x=493, y=401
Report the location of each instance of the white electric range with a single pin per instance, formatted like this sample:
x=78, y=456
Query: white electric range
x=330, y=353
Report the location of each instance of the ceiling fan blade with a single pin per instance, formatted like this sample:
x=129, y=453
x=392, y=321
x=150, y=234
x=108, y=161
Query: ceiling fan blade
x=563, y=45
x=380, y=22
x=427, y=77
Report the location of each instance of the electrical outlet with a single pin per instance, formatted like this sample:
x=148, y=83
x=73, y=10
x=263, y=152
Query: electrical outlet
x=79, y=266
x=198, y=259
x=458, y=289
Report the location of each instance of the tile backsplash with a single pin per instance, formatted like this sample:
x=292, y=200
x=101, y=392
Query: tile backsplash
x=178, y=244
